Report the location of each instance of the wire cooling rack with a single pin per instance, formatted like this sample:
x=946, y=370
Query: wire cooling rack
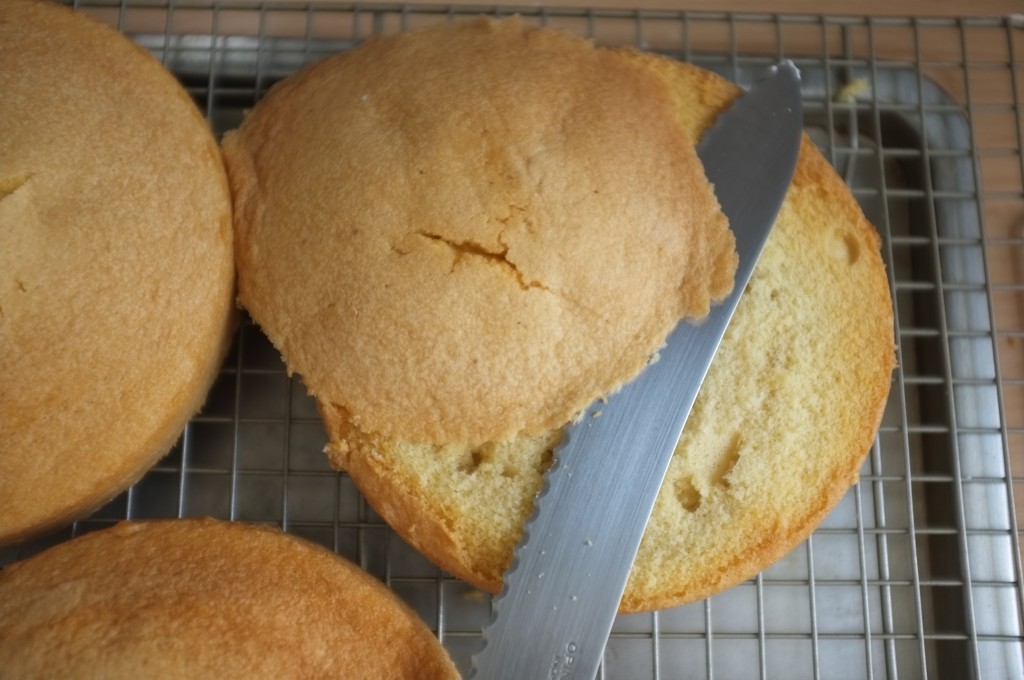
x=917, y=572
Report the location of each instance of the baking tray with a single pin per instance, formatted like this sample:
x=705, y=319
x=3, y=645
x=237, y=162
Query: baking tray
x=917, y=572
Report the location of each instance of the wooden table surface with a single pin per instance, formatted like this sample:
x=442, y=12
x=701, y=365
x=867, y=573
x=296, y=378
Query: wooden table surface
x=920, y=8
x=879, y=8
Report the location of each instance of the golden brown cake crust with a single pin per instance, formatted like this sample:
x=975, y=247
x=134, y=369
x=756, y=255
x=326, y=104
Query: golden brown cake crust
x=443, y=265
x=780, y=429
x=116, y=271
x=206, y=599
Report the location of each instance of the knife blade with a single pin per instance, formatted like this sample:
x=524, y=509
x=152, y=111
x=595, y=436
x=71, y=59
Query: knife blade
x=560, y=596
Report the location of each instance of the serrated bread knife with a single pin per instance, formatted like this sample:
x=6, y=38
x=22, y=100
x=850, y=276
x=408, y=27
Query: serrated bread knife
x=560, y=596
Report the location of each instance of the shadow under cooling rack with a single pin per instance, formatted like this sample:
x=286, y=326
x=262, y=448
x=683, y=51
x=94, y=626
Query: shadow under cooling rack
x=915, y=574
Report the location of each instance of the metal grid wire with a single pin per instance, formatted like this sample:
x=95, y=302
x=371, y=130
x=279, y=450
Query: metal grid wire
x=917, y=572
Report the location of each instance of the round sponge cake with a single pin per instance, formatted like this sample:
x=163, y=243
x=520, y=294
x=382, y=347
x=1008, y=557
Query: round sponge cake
x=116, y=271
x=780, y=428
x=206, y=599
x=784, y=418
x=469, y=231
